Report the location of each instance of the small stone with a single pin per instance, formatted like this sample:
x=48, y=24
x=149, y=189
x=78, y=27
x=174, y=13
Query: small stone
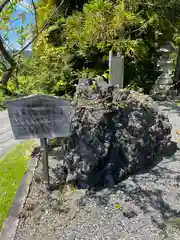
x=178, y=178
x=129, y=214
x=55, y=195
x=71, y=178
x=72, y=236
x=112, y=238
x=24, y=215
x=37, y=179
x=30, y=206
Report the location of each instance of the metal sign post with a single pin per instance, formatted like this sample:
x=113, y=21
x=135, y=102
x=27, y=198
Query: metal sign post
x=44, y=148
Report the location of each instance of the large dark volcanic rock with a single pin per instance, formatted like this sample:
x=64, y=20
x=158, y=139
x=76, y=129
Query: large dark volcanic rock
x=115, y=132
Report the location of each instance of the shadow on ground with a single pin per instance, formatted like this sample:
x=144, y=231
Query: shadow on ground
x=169, y=106
x=149, y=191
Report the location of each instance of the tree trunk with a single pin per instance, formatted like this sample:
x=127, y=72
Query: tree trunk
x=3, y=4
x=6, y=76
x=177, y=69
x=7, y=71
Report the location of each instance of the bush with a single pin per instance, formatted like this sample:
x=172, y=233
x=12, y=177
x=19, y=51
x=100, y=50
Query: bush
x=78, y=46
x=4, y=95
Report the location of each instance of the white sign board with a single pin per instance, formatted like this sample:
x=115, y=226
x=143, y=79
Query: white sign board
x=40, y=116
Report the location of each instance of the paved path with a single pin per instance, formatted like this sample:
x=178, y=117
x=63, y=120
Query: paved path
x=146, y=206
x=6, y=135
x=173, y=113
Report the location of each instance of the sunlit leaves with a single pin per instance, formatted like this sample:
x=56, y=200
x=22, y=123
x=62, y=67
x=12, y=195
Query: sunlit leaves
x=83, y=39
x=117, y=205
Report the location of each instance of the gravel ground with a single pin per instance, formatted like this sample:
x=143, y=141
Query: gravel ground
x=145, y=206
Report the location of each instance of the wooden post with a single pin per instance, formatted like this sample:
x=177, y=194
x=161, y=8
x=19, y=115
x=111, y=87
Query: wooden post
x=44, y=148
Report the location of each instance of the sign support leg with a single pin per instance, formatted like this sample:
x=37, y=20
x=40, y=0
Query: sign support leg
x=44, y=147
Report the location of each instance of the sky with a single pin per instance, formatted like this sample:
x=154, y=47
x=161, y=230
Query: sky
x=22, y=8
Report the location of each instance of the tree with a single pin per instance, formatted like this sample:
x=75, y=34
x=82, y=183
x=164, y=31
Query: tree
x=7, y=71
x=87, y=36
x=10, y=63
x=72, y=39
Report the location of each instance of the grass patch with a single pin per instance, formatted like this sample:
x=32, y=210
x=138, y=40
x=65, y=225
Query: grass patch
x=12, y=169
x=175, y=222
x=177, y=102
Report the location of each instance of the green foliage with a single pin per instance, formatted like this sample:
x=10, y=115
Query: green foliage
x=12, y=168
x=88, y=36
x=78, y=38
x=135, y=87
x=117, y=205
x=5, y=95
x=1, y=100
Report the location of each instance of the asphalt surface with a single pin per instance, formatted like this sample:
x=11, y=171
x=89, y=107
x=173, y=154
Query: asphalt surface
x=6, y=135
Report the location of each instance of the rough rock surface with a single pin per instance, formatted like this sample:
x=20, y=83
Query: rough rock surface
x=115, y=132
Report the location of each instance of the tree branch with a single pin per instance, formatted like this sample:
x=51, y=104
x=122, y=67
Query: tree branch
x=5, y=53
x=6, y=75
x=40, y=31
x=10, y=59
x=35, y=15
x=2, y=6
x=4, y=66
x=7, y=71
